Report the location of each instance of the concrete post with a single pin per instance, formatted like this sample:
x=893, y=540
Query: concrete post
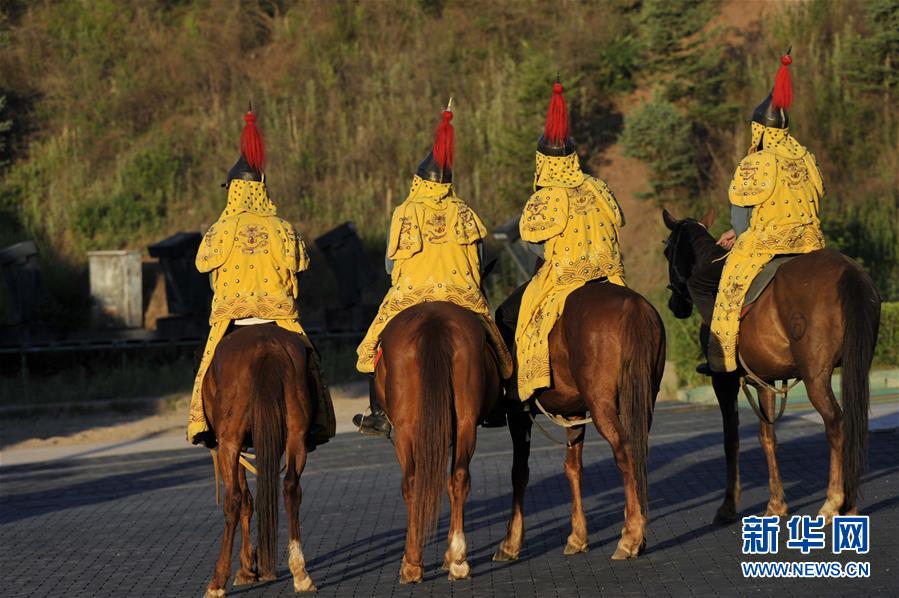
x=115, y=278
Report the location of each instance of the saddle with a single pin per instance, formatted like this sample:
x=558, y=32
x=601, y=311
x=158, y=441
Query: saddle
x=764, y=278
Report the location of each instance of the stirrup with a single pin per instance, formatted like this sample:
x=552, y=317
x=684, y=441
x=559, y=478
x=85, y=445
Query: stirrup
x=361, y=419
x=705, y=369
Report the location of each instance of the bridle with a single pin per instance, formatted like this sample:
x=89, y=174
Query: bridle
x=677, y=281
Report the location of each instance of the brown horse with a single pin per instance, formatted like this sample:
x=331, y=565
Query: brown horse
x=607, y=353
x=821, y=311
x=437, y=377
x=255, y=392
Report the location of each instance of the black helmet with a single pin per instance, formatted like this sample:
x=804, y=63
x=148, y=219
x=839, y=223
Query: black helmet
x=547, y=148
x=429, y=170
x=767, y=115
x=243, y=171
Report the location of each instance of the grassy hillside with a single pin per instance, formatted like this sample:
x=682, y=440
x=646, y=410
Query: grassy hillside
x=120, y=118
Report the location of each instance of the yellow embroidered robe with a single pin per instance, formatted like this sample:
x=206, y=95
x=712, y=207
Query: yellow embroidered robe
x=577, y=219
x=433, y=244
x=253, y=257
x=783, y=185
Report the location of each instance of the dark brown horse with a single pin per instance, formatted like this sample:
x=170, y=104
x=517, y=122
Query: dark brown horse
x=820, y=312
x=255, y=392
x=607, y=354
x=437, y=377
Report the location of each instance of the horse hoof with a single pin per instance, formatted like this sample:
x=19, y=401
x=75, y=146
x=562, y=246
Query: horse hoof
x=575, y=548
x=779, y=510
x=504, y=555
x=828, y=515
x=411, y=573
x=210, y=593
x=304, y=585
x=725, y=517
x=244, y=579
x=405, y=579
x=459, y=571
x=623, y=553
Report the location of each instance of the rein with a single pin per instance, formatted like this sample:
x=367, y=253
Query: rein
x=244, y=459
x=674, y=273
x=559, y=421
x=757, y=381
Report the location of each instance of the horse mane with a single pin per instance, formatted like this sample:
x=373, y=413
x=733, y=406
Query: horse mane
x=705, y=248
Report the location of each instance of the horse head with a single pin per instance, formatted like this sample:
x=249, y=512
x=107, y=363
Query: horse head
x=681, y=256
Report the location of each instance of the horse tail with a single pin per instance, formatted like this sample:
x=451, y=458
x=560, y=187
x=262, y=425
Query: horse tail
x=860, y=303
x=432, y=443
x=268, y=439
x=638, y=384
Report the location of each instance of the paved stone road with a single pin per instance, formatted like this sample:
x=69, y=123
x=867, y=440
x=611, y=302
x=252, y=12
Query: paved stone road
x=147, y=525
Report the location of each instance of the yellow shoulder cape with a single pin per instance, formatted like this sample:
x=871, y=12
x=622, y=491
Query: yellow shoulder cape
x=754, y=179
x=545, y=215
x=609, y=202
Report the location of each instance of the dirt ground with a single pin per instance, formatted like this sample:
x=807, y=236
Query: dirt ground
x=162, y=421
x=166, y=417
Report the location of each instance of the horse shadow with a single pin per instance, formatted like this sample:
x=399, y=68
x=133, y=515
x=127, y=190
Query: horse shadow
x=686, y=474
x=24, y=505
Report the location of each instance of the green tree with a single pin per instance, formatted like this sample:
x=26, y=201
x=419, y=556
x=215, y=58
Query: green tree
x=660, y=135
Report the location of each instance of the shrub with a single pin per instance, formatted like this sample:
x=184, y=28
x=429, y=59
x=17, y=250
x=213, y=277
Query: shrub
x=659, y=134
x=887, y=352
x=5, y=126
x=136, y=205
x=684, y=350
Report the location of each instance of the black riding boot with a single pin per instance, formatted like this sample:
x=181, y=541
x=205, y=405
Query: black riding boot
x=705, y=334
x=496, y=418
x=376, y=422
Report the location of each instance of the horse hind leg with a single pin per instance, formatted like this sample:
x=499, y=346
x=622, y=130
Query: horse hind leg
x=777, y=505
x=228, y=455
x=607, y=422
x=247, y=573
x=411, y=567
x=574, y=467
x=520, y=431
x=459, y=485
x=293, y=493
x=821, y=396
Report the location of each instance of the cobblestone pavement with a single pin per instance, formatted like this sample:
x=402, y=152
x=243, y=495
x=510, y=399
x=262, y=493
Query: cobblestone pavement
x=147, y=524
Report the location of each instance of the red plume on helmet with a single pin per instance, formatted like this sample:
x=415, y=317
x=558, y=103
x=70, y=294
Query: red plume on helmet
x=782, y=96
x=556, y=130
x=445, y=139
x=252, y=147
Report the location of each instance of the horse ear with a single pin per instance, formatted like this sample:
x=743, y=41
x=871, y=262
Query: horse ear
x=709, y=219
x=670, y=221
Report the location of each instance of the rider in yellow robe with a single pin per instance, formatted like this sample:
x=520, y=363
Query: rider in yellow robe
x=254, y=259
x=571, y=221
x=433, y=254
x=777, y=188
